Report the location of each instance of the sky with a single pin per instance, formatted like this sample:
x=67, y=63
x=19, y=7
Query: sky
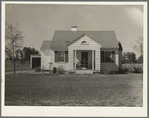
x=39, y=21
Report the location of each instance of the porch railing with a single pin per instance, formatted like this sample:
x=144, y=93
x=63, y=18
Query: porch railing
x=82, y=64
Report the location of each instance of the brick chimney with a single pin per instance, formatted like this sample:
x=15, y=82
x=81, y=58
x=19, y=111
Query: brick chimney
x=73, y=28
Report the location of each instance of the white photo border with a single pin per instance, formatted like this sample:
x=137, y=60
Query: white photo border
x=42, y=111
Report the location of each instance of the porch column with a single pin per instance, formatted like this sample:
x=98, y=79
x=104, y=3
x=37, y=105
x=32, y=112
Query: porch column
x=75, y=59
x=70, y=58
x=97, y=59
x=92, y=59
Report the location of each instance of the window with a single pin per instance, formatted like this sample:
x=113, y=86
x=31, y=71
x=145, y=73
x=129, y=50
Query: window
x=108, y=56
x=61, y=56
x=84, y=43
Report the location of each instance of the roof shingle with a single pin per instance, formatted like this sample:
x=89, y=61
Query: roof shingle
x=46, y=45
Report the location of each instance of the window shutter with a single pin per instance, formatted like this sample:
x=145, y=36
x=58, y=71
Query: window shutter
x=113, y=56
x=102, y=56
x=56, y=56
x=66, y=56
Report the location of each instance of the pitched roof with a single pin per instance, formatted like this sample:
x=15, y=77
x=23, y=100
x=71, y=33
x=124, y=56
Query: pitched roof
x=46, y=45
x=105, y=38
x=120, y=46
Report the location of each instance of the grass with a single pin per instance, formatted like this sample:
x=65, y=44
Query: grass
x=9, y=66
x=74, y=90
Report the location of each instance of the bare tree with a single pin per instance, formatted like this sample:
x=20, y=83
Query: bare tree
x=14, y=39
x=139, y=46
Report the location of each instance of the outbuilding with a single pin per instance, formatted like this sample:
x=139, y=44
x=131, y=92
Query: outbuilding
x=35, y=60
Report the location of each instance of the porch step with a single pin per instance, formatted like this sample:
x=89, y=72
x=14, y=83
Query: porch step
x=84, y=72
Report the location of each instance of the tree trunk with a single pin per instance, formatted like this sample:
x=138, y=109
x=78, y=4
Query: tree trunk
x=14, y=66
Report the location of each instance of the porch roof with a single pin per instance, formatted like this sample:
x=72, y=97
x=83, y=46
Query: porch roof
x=62, y=39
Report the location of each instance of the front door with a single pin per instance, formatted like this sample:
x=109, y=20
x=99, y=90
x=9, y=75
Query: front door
x=84, y=60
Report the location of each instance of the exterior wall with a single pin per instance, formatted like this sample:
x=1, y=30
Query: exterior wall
x=58, y=64
x=45, y=60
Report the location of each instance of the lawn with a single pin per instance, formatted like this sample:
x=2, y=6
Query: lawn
x=74, y=90
x=9, y=66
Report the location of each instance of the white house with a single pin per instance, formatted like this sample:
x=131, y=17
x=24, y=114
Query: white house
x=76, y=50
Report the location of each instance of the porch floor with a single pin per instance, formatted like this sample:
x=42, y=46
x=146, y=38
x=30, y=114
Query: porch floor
x=88, y=71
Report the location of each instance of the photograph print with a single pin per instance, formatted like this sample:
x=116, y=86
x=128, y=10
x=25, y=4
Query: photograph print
x=88, y=55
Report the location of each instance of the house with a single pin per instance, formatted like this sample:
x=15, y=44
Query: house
x=77, y=50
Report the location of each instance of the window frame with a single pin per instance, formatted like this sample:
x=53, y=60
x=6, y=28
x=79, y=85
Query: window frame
x=111, y=53
x=61, y=57
x=107, y=56
x=86, y=42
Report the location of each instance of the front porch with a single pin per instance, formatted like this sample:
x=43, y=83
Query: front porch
x=83, y=60
x=86, y=60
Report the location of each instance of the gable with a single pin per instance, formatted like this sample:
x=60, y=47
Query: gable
x=85, y=42
x=84, y=39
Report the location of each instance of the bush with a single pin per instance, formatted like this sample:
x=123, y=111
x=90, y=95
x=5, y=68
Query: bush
x=60, y=70
x=105, y=70
x=54, y=70
x=37, y=69
x=135, y=68
x=138, y=69
x=123, y=70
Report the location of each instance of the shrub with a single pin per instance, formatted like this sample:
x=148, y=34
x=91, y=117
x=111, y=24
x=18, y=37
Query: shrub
x=60, y=70
x=37, y=69
x=138, y=69
x=105, y=70
x=123, y=70
x=54, y=70
x=135, y=68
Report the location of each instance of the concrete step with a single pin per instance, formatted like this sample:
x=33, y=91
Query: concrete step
x=84, y=72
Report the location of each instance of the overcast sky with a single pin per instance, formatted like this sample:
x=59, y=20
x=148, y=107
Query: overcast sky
x=38, y=22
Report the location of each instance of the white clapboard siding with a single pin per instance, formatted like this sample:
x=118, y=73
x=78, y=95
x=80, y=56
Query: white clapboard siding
x=91, y=44
x=45, y=61
x=97, y=60
x=58, y=64
x=52, y=56
x=70, y=59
